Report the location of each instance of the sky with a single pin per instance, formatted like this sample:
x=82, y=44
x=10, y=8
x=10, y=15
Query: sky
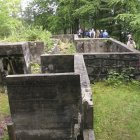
x=24, y=3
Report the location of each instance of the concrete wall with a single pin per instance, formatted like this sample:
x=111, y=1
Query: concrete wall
x=64, y=37
x=87, y=103
x=14, y=52
x=57, y=63
x=14, y=59
x=45, y=107
x=55, y=48
x=99, y=64
x=36, y=49
x=91, y=45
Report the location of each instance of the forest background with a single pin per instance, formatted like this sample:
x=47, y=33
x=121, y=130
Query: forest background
x=42, y=17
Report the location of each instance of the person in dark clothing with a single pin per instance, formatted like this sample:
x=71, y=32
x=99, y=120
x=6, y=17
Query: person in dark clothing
x=101, y=34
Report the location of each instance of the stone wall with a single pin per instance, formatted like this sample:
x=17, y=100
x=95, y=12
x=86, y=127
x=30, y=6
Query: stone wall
x=87, y=103
x=55, y=48
x=18, y=52
x=45, y=107
x=36, y=49
x=99, y=64
x=75, y=64
x=64, y=37
x=57, y=63
x=14, y=59
x=91, y=45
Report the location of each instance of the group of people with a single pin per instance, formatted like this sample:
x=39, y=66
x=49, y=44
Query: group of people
x=91, y=33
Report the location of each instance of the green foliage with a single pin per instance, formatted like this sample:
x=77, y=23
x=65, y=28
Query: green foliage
x=9, y=11
x=116, y=16
x=4, y=107
x=4, y=112
x=30, y=34
x=35, y=68
x=115, y=78
x=67, y=48
x=6, y=137
x=129, y=17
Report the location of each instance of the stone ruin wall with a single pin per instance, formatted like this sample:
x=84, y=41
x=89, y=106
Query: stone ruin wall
x=36, y=50
x=99, y=65
x=57, y=63
x=103, y=55
x=74, y=64
x=15, y=58
x=45, y=106
x=33, y=92
x=100, y=45
x=64, y=37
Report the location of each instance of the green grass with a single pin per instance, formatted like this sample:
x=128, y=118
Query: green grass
x=4, y=105
x=116, y=112
x=4, y=111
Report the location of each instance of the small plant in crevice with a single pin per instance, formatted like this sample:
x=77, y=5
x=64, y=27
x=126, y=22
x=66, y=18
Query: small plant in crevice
x=116, y=78
x=35, y=68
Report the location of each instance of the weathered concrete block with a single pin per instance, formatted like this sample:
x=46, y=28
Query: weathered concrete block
x=14, y=59
x=45, y=107
x=57, y=63
x=87, y=103
x=100, y=45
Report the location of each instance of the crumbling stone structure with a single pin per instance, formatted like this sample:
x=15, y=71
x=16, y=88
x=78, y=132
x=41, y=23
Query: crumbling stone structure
x=57, y=63
x=36, y=49
x=100, y=64
x=53, y=106
x=45, y=106
x=103, y=55
x=74, y=64
x=100, y=45
x=57, y=105
x=64, y=37
x=14, y=59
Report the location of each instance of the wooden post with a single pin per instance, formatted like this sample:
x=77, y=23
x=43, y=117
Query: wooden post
x=11, y=131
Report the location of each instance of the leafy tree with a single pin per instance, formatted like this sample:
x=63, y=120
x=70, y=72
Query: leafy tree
x=129, y=17
x=8, y=16
x=116, y=16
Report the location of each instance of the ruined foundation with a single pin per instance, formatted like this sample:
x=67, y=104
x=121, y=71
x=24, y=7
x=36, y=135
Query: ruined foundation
x=57, y=104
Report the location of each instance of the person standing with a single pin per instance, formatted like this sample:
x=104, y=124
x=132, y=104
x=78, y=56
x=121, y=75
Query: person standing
x=101, y=34
x=93, y=33
x=80, y=33
x=97, y=35
x=131, y=43
x=105, y=34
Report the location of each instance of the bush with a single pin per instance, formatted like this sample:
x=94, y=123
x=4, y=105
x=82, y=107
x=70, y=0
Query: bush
x=30, y=34
x=115, y=78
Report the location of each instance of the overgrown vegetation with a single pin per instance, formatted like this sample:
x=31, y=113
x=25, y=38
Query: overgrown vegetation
x=4, y=113
x=66, y=48
x=35, y=68
x=30, y=34
x=116, y=111
x=14, y=29
x=116, y=78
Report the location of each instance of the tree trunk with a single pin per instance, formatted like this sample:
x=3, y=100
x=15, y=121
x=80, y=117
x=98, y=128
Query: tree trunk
x=76, y=25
